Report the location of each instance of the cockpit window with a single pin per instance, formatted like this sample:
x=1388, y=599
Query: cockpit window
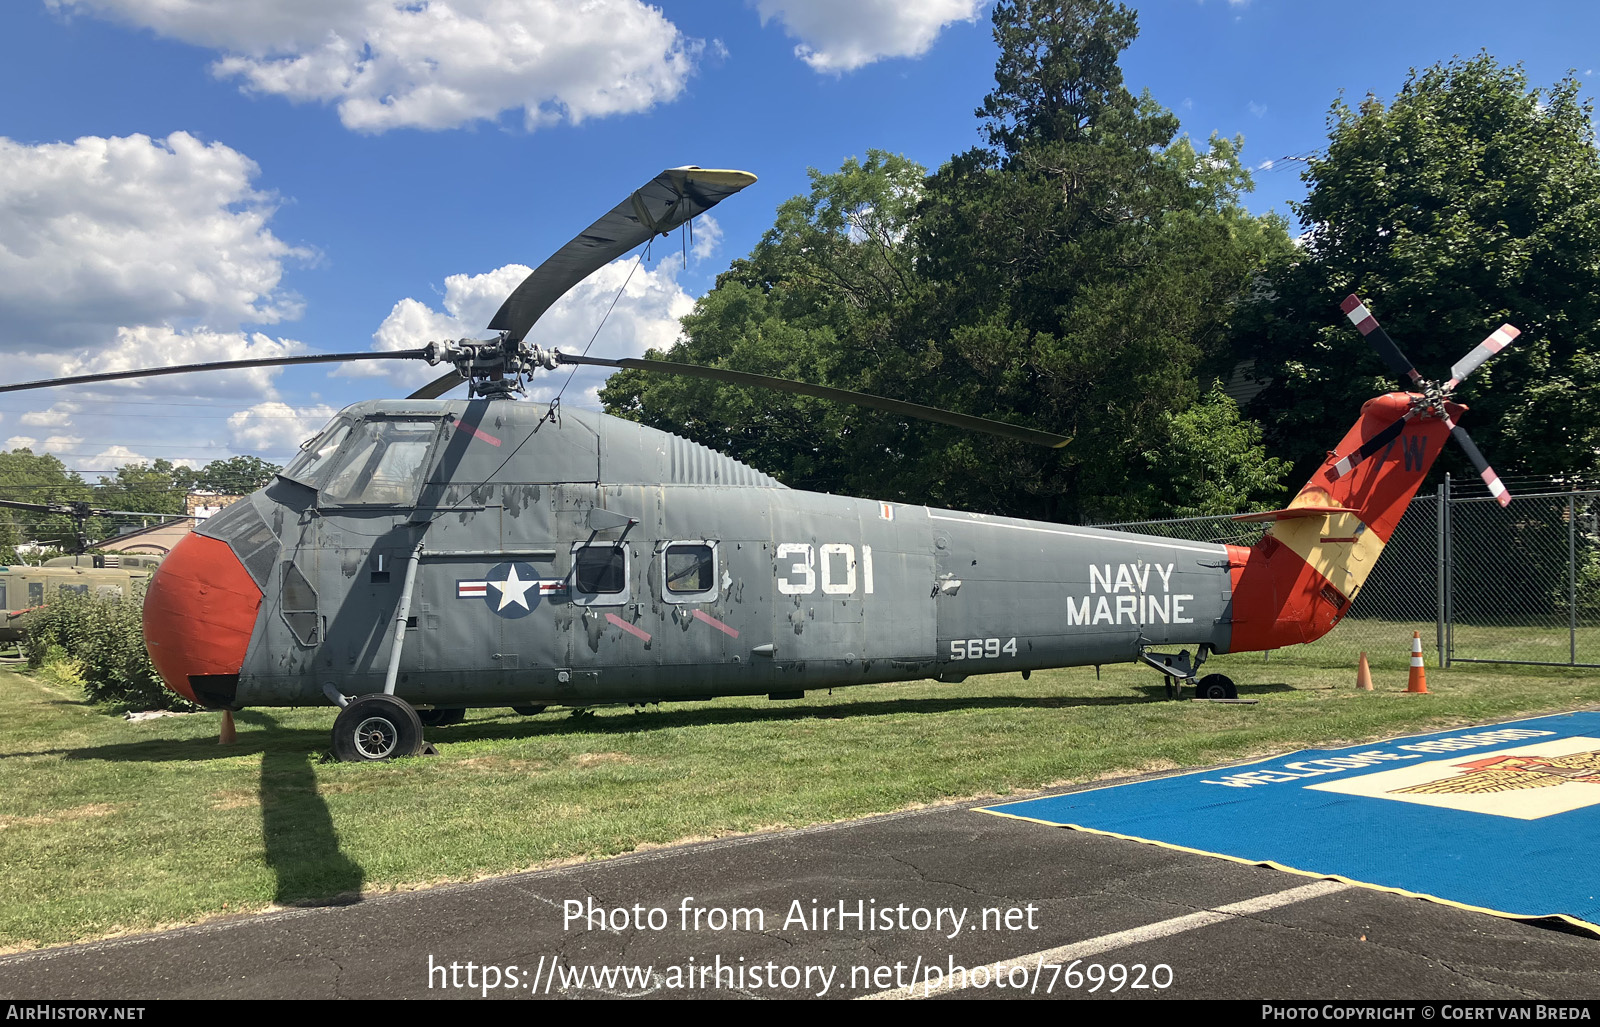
x=383, y=464
x=308, y=467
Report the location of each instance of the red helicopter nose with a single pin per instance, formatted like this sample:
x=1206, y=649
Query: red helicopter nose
x=199, y=612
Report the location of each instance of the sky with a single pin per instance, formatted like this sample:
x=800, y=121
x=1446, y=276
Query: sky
x=194, y=180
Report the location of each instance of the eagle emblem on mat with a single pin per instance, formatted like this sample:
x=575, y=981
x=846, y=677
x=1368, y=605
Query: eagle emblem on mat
x=1507, y=773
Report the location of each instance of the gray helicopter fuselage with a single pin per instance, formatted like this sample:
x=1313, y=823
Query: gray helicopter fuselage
x=584, y=559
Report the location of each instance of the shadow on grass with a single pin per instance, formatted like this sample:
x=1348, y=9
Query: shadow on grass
x=1158, y=692
x=302, y=846
x=274, y=739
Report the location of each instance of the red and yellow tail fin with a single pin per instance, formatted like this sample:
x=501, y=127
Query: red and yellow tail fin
x=1297, y=582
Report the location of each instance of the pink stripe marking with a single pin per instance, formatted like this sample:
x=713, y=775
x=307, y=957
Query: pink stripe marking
x=643, y=636
x=479, y=435
x=702, y=616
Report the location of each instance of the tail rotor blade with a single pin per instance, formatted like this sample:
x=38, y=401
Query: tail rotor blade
x=1368, y=326
x=1502, y=337
x=1345, y=464
x=1491, y=479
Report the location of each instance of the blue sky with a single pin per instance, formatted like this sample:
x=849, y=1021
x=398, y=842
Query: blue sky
x=205, y=179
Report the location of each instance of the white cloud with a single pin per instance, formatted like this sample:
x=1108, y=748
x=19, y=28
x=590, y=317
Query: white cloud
x=112, y=457
x=1257, y=109
x=124, y=253
x=707, y=236
x=58, y=415
x=99, y=233
x=646, y=316
x=275, y=427
x=836, y=36
x=433, y=64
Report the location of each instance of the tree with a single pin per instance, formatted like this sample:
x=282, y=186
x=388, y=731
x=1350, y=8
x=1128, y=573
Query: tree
x=158, y=487
x=233, y=476
x=1072, y=278
x=1468, y=201
x=1081, y=268
x=819, y=299
x=28, y=477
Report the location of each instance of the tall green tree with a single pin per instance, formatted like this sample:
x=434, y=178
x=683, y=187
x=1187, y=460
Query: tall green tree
x=1085, y=266
x=1071, y=276
x=1469, y=200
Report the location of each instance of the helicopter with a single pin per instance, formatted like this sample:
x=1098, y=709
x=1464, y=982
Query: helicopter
x=26, y=589
x=440, y=555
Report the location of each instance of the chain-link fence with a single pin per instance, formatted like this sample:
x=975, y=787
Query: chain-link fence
x=1482, y=583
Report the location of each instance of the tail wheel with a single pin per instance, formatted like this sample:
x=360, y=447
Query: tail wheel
x=1216, y=686
x=376, y=727
x=441, y=718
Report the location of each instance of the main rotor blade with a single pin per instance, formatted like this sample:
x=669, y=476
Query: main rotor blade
x=1491, y=479
x=1499, y=340
x=657, y=207
x=439, y=386
x=219, y=365
x=1344, y=465
x=66, y=510
x=1368, y=326
x=895, y=406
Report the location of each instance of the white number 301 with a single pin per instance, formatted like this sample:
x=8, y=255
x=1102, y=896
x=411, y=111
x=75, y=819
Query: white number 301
x=981, y=648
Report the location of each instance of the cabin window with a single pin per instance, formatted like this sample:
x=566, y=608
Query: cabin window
x=307, y=468
x=108, y=590
x=383, y=465
x=82, y=590
x=299, y=605
x=600, y=573
x=3, y=604
x=35, y=593
x=689, y=570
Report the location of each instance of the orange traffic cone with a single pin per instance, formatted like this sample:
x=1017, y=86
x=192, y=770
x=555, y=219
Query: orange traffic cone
x=228, y=734
x=1419, y=677
x=1363, y=675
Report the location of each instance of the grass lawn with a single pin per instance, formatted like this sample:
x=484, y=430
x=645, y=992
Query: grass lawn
x=108, y=826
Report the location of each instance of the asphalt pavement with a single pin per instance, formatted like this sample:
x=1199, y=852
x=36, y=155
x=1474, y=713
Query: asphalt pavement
x=941, y=902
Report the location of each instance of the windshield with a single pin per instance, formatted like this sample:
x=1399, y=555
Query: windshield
x=382, y=464
x=308, y=467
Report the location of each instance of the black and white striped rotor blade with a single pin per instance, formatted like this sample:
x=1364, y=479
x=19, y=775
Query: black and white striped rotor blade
x=1345, y=464
x=1368, y=326
x=1491, y=479
x=1499, y=340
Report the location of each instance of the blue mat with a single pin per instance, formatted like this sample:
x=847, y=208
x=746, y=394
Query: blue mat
x=1503, y=819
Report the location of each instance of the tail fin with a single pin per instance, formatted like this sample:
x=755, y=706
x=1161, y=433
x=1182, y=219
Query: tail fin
x=1297, y=582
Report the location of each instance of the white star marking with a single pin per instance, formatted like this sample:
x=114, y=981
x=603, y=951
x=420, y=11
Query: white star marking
x=513, y=590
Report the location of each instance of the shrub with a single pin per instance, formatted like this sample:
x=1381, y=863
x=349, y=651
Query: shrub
x=103, y=636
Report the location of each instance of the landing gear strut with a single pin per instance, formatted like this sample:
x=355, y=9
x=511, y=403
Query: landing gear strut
x=1178, y=670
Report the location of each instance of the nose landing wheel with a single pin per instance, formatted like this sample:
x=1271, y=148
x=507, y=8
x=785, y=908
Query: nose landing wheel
x=376, y=727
